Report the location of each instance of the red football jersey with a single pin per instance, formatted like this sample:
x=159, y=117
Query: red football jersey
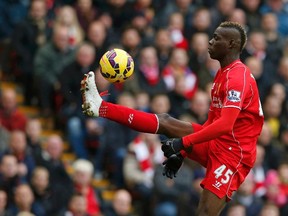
x=234, y=86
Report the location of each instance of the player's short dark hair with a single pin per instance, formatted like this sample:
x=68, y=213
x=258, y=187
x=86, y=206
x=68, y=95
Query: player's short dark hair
x=239, y=28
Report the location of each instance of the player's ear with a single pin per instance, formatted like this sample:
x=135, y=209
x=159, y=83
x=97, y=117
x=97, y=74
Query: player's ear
x=234, y=44
x=231, y=43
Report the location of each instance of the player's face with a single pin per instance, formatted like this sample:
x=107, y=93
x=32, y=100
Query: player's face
x=218, y=45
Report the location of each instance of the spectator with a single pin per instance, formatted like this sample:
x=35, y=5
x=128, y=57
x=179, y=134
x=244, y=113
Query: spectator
x=277, y=90
x=160, y=103
x=279, y=8
x=283, y=72
x=120, y=12
x=66, y=17
x=270, y=210
x=163, y=45
x=53, y=7
x=98, y=37
x=49, y=62
x=284, y=140
x=145, y=7
x=34, y=138
x=201, y=23
x=11, y=13
x=121, y=204
x=172, y=196
x=179, y=104
x=282, y=171
x=260, y=172
x=199, y=106
x=18, y=148
x=51, y=160
x=71, y=113
x=94, y=130
x=86, y=13
x=253, y=16
x=48, y=196
x=263, y=81
x=273, y=154
x=257, y=46
x=246, y=197
x=24, y=201
x=236, y=210
x=275, y=41
x=131, y=42
x=143, y=18
x=185, y=7
x=144, y=153
x=31, y=34
x=176, y=30
x=10, y=116
x=147, y=75
x=220, y=13
x=238, y=15
x=198, y=57
x=274, y=192
x=142, y=101
x=3, y=204
x=177, y=67
x=9, y=177
x=272, y=110
x=25, y=213
x=77, y=206
x=115, y=144
x=82, y=179
x=5, y=137
x=196, y=190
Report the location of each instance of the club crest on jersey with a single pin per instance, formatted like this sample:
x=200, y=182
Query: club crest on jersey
x=234, y=96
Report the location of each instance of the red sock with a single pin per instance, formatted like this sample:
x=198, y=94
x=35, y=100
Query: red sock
x=135, y=119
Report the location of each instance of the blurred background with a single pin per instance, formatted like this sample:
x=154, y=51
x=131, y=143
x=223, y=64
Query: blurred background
x=54, y=161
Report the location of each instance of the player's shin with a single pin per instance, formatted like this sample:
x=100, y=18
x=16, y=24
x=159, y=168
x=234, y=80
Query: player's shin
x=134, y=119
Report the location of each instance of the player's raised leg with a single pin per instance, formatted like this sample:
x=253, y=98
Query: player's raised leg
x=93, y=105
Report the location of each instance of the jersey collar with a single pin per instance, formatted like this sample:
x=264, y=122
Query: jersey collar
x=231, y=65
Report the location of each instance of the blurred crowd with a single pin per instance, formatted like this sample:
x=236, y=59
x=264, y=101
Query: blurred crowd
x=45, y=48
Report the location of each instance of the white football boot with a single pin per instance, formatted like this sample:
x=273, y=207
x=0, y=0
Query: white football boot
x=90, y=95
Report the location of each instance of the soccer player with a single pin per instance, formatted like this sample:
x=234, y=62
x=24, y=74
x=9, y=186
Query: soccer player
x=225, y=144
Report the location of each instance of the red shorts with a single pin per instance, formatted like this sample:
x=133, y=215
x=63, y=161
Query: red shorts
x=223, y=177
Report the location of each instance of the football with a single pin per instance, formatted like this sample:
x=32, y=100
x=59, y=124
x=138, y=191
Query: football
x=116, y=65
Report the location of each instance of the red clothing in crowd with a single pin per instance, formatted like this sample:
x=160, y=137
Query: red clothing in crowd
x=13, y=121
x=93, y=208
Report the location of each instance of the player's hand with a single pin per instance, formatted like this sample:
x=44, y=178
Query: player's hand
x=171, y=146
x=172, y=165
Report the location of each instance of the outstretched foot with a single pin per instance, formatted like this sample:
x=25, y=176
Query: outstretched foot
x=90, y=95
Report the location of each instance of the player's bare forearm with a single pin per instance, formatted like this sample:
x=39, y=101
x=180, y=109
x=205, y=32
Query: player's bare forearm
x=172, y=127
